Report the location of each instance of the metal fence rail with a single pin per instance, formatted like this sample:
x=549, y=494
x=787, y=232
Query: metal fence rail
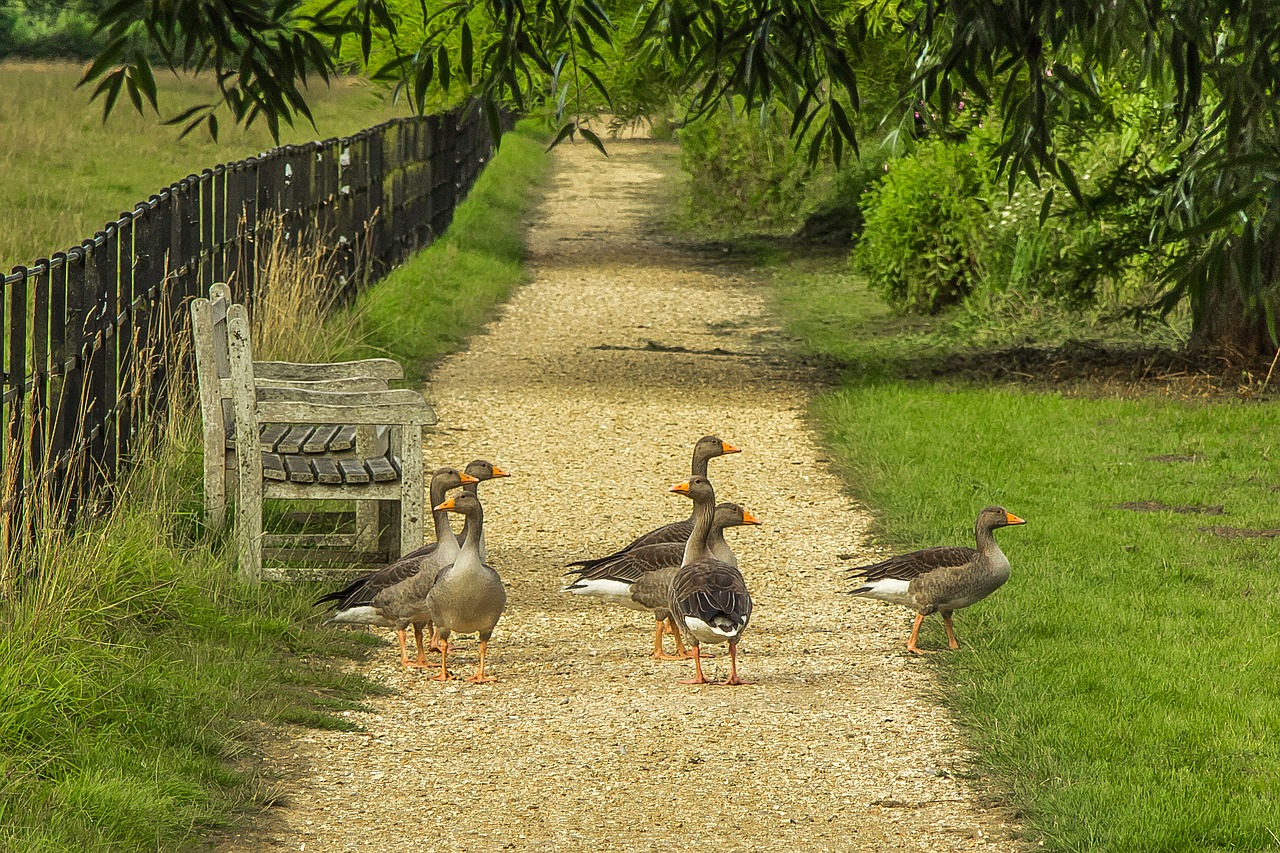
x=86, y=335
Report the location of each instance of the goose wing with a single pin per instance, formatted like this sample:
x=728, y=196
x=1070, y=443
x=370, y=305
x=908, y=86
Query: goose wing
x=917, y=563
x=710, y=590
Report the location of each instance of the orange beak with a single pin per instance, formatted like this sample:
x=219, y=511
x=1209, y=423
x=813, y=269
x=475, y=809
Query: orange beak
x=445, y=505
x=498, y=472
x=729, y=448
x=467, y=478
x=748, y=518
x=1013, y=519
x=682, y=488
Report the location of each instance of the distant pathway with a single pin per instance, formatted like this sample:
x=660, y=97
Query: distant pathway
x=592, y=387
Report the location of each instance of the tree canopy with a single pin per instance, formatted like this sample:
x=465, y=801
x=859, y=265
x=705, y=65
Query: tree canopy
x=1041, y=65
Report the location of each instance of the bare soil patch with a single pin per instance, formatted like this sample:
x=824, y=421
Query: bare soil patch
x=592, y=387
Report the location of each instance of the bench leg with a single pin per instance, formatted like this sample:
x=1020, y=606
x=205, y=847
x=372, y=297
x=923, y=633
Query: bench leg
x=368, y=525
x=412, y=498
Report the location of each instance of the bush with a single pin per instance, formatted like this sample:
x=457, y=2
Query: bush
x=742, y=172
x=32, y=31
x=922, y=246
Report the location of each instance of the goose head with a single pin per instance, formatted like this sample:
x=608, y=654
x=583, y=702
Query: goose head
x=482, y=469
x=996, y=516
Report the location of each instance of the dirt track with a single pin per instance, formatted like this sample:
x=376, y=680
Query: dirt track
x=592, y=387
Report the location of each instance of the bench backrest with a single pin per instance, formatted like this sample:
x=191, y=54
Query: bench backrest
x=213, y=364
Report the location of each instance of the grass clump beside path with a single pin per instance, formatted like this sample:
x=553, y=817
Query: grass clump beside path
x=136, y=675
x=1123, y=683
x=429, y=305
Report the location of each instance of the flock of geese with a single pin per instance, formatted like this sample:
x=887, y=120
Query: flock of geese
x=684, y=573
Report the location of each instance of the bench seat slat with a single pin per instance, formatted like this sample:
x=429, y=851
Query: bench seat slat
x=296, y=438
x=270, y=436
x=353, y=471
x=298, y=468
x=327, y=470
x=381, y=469
x=343, y=439
x=320, y=439
x=273, y=467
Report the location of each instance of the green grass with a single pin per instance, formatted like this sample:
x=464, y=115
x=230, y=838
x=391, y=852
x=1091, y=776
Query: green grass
x=137, y=677
x=429, y=305
x=63, y=173
x=1122, y=685
x=133, y=669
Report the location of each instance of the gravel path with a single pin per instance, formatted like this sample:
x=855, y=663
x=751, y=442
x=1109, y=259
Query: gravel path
x=592, y=387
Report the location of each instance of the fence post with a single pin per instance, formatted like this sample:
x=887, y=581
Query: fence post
x=16, y=400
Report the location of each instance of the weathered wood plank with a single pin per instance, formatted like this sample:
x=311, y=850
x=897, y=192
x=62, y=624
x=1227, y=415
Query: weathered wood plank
x=353, y=471
x=295, y=438
x=327, y=470
x=320, y=438
x=381, y=470
x=299, y=469
x=273, y=467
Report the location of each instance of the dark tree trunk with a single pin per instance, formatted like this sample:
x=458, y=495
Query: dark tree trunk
x=1231, y=326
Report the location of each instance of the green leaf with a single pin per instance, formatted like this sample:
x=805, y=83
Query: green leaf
x=1045, y=207
x=112, y=52
x=442, y=66
x=563, y=133
x=590, y=136
x=466, y=58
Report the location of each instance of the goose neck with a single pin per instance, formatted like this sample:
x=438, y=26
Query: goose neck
x=704, y=510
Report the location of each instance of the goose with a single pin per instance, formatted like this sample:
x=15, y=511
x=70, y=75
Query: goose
x=942, y=579
x=639, y=578
x=467, y=597
x=708, y=598
x=482, y=470
x=704, y=450
x=353, y=604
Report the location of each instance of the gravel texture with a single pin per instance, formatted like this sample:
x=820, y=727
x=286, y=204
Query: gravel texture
x=591, y=387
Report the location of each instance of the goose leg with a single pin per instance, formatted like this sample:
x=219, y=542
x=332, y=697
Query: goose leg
x=444, y=670
x=404, y=650
x=697, y=670
x=480, y=677
x=951, y=634
x=435, y=645
x=422, y=649
x=681, y=652
x=915, y=631
x=733, y=665
x=658, y=653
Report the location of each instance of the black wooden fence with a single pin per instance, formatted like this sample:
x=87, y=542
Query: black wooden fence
x=86, y=335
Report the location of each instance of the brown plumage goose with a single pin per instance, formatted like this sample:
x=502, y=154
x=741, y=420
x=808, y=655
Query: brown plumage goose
x=467, y=597
x=708, y=598
x=639, y=578
x=353, y=604
x=704, y=450
x=942, y=579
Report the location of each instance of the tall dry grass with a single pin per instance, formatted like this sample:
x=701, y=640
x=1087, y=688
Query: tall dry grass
x=297, y=292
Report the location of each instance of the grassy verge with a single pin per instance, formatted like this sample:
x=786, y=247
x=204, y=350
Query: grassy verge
x=432, y=302
x=1122, y=685
x=136, y=675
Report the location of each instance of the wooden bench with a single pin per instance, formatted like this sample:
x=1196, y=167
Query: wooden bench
x=325, y=432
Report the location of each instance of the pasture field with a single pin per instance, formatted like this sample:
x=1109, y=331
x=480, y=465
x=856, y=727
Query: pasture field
x=64, y=173
x=1123, y=684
